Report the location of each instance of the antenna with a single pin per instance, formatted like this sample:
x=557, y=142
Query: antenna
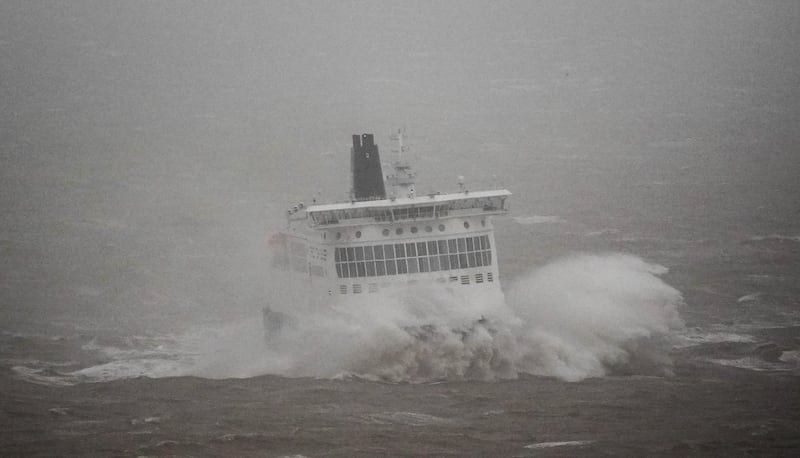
x=402, y=178
x=398, y=137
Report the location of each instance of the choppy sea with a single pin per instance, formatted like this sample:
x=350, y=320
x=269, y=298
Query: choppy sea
x=597, y=352
x=650, y=266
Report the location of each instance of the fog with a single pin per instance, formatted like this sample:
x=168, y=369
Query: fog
x=147, y=148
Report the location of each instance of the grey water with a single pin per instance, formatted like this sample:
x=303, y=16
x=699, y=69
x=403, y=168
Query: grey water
x=147, y=150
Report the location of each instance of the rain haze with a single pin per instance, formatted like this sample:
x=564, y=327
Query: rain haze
x=650, y=264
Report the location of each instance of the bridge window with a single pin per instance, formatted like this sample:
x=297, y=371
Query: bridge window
x=423, y=264
x=413, y=257
x=434, y=260
x=413, y=267
x=444, y=209
x=415, y=212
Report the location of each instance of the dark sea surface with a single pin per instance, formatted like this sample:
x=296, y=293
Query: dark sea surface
x=650, y=264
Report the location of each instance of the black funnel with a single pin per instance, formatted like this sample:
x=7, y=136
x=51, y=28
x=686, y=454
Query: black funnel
x=366, y=168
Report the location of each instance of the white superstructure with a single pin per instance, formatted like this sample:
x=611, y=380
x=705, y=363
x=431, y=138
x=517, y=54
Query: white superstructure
x=378, y=242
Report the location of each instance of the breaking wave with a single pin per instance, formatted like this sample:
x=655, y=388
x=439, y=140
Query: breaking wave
x=591, y=315
x=578, y=317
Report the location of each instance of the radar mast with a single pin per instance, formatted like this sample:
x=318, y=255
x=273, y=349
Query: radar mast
x=402, y=178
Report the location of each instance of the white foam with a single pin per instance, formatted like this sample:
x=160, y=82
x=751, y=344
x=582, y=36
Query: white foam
x=588, y=314
x=608, y=231
x=541, y=445
x=157, y=356
x=122, y=369
x=695, y=336
x=790, y=357
x=36, y=376
x=578, y=317
x=405, y=418
x=582, y=316
x=749, y=297
x=755, y=364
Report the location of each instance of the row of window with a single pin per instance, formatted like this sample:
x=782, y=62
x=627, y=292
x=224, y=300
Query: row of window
x=380, y=214
x=463, y=279
x=414, y=230
x=413, y=257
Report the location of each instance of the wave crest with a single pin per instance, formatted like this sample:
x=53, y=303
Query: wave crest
x=577, y=317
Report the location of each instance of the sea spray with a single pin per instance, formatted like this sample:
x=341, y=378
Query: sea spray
x=415, y=334
x=587, y=315
x=577, y=317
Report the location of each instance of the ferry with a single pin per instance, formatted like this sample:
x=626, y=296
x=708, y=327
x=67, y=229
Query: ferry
x=385, y=237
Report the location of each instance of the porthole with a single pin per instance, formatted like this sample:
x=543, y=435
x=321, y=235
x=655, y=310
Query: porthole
x=428, y=229
x=338, y=236
x=358, y=234
x=441, y=228
x=385, y=232
x=399, y=231
x=466, y=224
x=413, y=229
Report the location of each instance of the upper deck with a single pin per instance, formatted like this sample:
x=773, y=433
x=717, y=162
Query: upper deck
x=431, y=206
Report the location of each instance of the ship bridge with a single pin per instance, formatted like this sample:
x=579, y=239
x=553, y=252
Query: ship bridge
x=432, y=206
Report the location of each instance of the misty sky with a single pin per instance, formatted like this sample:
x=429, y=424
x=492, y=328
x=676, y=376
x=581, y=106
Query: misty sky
x=258, y=75
x=158, y=124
